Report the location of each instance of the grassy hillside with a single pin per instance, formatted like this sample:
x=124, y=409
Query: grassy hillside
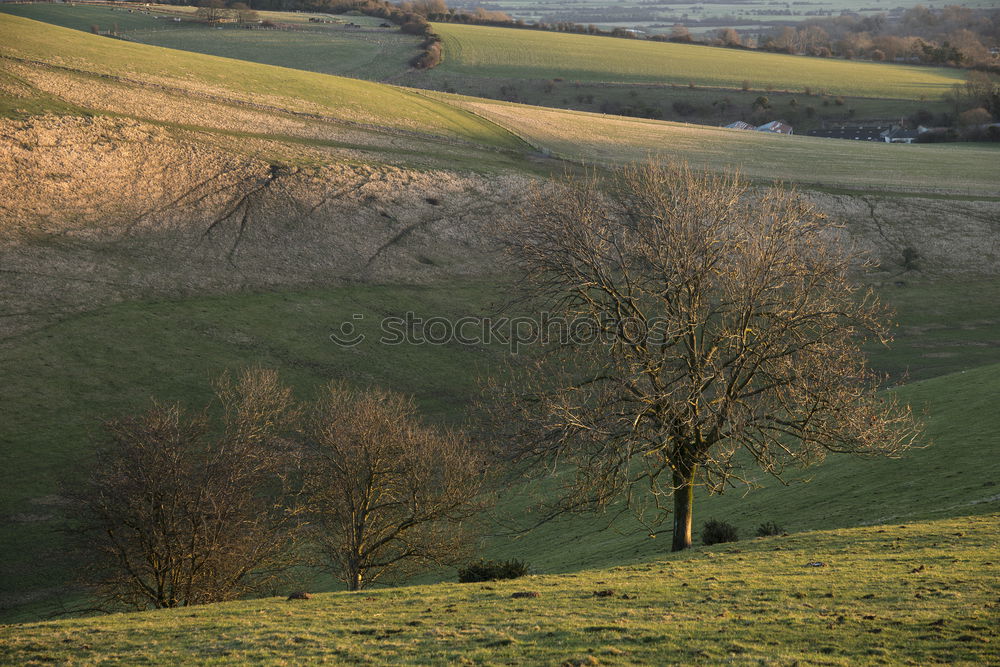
x=352, y=100
x=526, y=54
x=685, y=88
x=598, y=138
x=370, y=53
x=957, y=474
x=369, y=107
x=913, y=594
x=63, y=380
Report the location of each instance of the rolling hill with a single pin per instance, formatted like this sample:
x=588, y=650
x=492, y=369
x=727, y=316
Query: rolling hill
x=119, y=64
x=526, y=54
x=176, y=214
x=621, y=77
x=366, y=52
x=159, y=85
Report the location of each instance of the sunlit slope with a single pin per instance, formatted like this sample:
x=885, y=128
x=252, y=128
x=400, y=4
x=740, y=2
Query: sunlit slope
x=503, y=52
x=350, y=100
x=913, y=594
x=329, y=49
x=178, y=87
x=605, y=139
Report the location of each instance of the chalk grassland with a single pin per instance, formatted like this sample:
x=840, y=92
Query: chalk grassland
x=60, y=381
x=916, y=594
x=376, y=53
x=526, y=54
x=350, y=100
x=370, y=53
x=602, y=139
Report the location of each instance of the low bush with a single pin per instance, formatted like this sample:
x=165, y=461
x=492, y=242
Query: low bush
x=716, y=532
x=769, y=529
x=492, y=570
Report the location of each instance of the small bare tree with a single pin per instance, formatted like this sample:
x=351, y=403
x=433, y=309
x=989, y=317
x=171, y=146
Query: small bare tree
x=212, y=10
x=388, y=494
x=723, y=332
x=178, y=511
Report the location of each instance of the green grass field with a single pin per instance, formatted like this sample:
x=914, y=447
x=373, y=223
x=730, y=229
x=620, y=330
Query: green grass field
x=352, y=100
x=603, y=139
x=372, y=54
x=653, y=76
x=525, y=54
x=921, y=593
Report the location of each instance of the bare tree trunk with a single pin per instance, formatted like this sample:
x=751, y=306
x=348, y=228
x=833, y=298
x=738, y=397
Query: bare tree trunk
x=683, y=506
x=354, y=578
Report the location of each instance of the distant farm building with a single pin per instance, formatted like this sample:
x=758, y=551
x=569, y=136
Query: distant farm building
x=775, y=127
x=856, y=133
x=888, y=133
x=899, y=135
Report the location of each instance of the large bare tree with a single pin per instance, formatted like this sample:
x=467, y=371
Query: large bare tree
x=713, y=328
x=388, y=494
x=181, y=509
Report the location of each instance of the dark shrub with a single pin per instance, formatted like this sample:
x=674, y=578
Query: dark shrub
x=492, y=570
x=431, y=57
x=684, y=108
x=716, y=532
x=769, y=529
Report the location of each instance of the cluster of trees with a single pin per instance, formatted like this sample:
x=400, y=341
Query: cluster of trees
x=188, y=508
x=216, y=10
x=954, y=35
x=977, y=103
x=726, y=333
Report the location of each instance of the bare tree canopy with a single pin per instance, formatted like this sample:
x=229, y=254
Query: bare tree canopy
x=388, y=494
x=179, y=511
x=722, y=333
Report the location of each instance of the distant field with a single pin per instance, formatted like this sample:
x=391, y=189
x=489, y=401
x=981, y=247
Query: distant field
x=598, y=138
x=371, y=53
x=352, y=100
x=578, y=136
x=526, y=54
x=383, y=54
x=922, y=593
x=657, y=16
x=360, y=55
